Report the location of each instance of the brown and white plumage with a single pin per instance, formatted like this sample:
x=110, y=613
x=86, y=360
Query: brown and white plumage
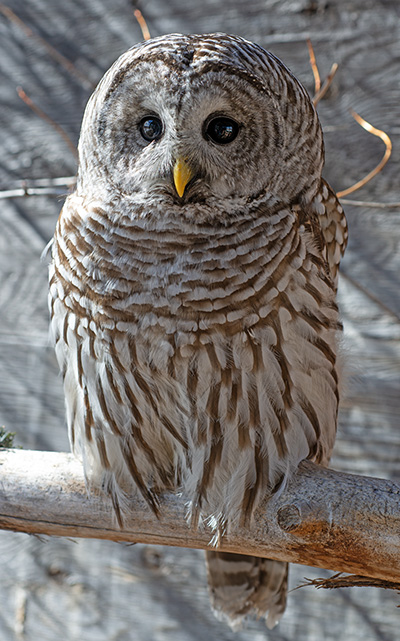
x=197, y=332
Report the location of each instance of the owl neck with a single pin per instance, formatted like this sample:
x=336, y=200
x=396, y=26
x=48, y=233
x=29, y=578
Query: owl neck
x=137, y=268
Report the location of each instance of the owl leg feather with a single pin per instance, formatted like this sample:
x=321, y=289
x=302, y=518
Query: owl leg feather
x=243, y=585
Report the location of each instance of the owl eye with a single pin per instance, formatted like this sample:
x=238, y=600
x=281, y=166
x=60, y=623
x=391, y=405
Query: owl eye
x=221, y=130
x=151, y=128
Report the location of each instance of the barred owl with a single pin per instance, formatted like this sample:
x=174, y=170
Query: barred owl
x=192, y=292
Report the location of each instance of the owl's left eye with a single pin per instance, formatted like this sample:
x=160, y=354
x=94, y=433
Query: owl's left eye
x=151, y=128
x=221, y=130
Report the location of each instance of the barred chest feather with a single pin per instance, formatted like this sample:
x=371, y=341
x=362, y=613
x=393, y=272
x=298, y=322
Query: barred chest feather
x=198, y=357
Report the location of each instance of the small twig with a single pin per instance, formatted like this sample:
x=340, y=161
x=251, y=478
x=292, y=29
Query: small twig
x=327, y=83
x=388, y=144
x=350, y=581
x=319, y=92
x=39, y=112
x=314, y=67
x=56, y=55
x=142, y=24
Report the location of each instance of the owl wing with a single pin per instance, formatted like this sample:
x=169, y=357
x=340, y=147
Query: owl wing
x=326, y=222
x=333, y=225
x=240, y=584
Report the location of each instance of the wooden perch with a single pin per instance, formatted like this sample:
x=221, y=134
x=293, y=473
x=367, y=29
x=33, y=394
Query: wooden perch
x=323, y=518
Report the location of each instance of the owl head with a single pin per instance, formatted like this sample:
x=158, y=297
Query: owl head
x=210, y=119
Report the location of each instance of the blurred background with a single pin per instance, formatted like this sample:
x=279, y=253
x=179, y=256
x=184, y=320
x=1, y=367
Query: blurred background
x=97, y=590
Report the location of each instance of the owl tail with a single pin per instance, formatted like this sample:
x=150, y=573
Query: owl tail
x=244, y=585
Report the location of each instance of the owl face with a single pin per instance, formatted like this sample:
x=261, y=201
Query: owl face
x=200, y=119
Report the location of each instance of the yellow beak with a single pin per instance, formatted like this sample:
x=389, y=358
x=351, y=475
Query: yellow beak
x=182, y=174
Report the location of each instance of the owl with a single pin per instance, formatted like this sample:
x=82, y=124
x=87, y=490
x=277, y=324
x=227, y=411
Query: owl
x=192, y=293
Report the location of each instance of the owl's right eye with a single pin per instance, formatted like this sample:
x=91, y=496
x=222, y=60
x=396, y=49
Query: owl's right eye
x=151, y=128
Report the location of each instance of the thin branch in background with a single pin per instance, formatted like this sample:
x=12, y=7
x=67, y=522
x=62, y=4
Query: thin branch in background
x=314, y=67
x=29, y=191
x=327, y=83
x=388, y=144
x=39, y=187
x=142, y=24
x=54, y=54
x=39, y=112
x=319, y=93
x=364, y=203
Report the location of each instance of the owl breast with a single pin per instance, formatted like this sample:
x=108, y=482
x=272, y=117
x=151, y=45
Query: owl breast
x=201, y=360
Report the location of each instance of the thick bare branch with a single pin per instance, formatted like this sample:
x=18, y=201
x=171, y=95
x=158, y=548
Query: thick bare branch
x=323, y=518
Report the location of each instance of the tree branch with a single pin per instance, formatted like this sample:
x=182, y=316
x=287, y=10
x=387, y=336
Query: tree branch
x=323, y=518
